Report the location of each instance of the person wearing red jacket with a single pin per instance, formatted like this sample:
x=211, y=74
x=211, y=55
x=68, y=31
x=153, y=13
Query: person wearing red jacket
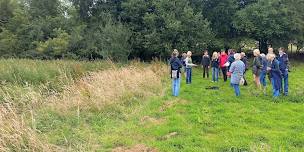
x=223, y=60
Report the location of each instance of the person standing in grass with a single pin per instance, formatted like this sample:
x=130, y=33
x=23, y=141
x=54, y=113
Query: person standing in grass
x=176, y=66
x=223, y=59
x=189, y=65
x=231, y=58
x=215, y=63
x=263, y=72
x=275, y=73
x=184, y=56
x=205, y=64
x=284, y=67
x=245, y=61
x=257, y=66
x=237, y=70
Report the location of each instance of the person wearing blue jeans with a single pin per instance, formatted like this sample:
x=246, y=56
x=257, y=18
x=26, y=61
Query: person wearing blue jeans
x=275, y=73
x=176, y=86
x=263, y=73
x=236, y=88
x=176, y=66
x=237, y=70
x=215, y=73
x=284, y=64
x=189, y=66
x=189, y=75
x=215, y=64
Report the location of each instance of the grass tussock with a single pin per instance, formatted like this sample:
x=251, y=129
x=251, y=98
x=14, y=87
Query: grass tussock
x=112, y=86
x=15, y=135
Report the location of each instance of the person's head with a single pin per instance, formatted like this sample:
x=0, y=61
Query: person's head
x=189, y=54
x=175, y=53
x=223, y=52
x=243, y=54
x=231, y=51
x=270, y=56
x=256, y=52
x=214, y=55
x=184, y=55
x=263, y=55
x=206, y=52
x=281, y=50
x=237, y=56
x=270, y=50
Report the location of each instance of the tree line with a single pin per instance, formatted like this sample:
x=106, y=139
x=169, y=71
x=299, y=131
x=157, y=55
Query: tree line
x=123, y=29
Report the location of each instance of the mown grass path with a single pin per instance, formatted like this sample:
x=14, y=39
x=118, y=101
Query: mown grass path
x=215, y=120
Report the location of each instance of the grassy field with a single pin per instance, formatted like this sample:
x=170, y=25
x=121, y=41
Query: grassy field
x=131, y=108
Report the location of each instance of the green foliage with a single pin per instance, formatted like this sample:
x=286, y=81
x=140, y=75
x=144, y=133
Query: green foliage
x=123, y=29
x=56, y=46
x=115, y=41
x=7, y=43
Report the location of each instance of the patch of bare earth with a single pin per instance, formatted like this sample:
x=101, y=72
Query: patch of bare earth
x=136, y=148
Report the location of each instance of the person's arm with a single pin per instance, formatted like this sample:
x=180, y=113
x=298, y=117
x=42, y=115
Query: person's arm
x=189, y=64
x=286, y=60
x=232, y=67
x=180, y=64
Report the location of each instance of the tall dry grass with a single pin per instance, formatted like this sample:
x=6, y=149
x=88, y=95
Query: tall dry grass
x=94, y=91
x=113, y=85
x=15, y=135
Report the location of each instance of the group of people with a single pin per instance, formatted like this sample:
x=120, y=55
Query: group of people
x=235, y=66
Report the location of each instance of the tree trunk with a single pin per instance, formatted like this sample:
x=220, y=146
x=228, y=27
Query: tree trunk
x=263, y=46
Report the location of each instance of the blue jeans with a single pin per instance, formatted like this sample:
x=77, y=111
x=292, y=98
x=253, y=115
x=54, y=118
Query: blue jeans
x=189, y=75
x=285, y=83
x=236, y=88
x=276, y=92
x=215, y=73
x=176, y=86
x=263, y=78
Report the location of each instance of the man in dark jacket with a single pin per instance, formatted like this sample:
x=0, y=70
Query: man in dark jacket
x=284, y=67
x=245, y=61
x=205, y=64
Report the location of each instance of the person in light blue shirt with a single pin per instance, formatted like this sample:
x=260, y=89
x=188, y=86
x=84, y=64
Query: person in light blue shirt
x=237, y=70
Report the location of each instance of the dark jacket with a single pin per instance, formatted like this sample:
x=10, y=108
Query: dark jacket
x=265, y=64
x=205, y=60
x=283, y=62
x=245, y=61
x=257, y=65
x=231, y=59
x=215, y=63
x=175, y=63
x=276, y=74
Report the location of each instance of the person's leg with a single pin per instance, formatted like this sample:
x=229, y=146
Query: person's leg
x=190, y=77
x=286, y=83
x=224, y=70
x=216, y=74
x=207, y=70
x=236, y=89
x=204, y=71
x=177, y=86
x=276, y=92
x=263, y=81
x=173, y=87
x=213, y=74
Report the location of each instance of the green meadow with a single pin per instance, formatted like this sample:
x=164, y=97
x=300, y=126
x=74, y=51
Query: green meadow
x=197, y=120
